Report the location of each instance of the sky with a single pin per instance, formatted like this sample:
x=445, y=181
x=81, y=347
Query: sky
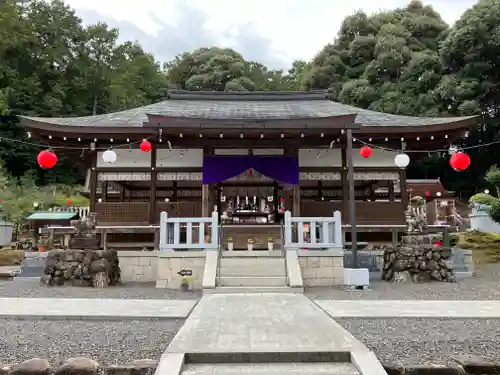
x=273, y=32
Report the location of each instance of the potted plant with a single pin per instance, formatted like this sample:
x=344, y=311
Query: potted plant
x=230, y=243
x=270, y=243
x=185, y=284
x=250, y=244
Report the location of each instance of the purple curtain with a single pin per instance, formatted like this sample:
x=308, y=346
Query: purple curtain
x=220, y=168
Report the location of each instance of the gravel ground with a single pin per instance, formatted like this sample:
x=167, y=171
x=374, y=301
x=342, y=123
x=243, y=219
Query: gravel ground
x=418, y=341
x=484, y=286
x=31, y=288
x=109, y=342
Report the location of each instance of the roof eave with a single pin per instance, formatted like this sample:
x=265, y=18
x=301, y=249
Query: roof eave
x=456, y=125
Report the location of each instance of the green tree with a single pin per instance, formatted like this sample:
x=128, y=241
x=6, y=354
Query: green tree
x=211, y=68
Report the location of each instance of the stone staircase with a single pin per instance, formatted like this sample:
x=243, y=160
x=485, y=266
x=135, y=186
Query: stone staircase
x=251, y=272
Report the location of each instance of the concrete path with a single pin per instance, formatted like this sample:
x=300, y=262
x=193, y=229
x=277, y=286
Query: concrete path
x=64, y=308
x=235, y=323
x=411, y=309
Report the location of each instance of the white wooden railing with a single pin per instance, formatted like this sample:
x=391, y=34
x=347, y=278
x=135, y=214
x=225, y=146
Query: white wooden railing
x=171, y=228
x=329, y=236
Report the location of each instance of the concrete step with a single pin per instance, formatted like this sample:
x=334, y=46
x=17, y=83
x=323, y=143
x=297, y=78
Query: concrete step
x=293, y=368
x=244, y=253
x=251, y=289
x=263, y=270
x=253, y=281
x=251, y=262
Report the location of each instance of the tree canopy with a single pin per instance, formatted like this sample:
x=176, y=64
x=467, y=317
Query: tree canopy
x=404, y=61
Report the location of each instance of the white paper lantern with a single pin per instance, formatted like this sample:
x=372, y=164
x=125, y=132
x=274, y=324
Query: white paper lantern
x=402, y=160
x=109, y=157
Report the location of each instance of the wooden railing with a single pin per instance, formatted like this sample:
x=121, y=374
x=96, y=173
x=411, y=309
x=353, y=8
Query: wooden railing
x=366, y=212
x=171, y=229
x=313, y=232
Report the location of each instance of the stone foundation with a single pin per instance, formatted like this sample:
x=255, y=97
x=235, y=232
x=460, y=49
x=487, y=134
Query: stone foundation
x=464, y=364
x=79, y=366
x=138, y=266
x=98, y=268
x=461, y=365
x=322, y=267
x=170, y=263
x=418, y=263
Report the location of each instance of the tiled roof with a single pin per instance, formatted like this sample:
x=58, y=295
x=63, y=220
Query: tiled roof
x=244, y=106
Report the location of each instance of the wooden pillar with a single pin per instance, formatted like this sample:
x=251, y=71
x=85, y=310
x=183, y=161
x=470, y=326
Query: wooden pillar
x=352, y=200
x=343, y=181
x=152, y=188
x=104, y=191
x=391, y=191
x=402, y=184
x=206, y=210
x=93, y=181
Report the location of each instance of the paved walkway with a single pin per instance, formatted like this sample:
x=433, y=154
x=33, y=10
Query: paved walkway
x=412, y=309
x=282, y=313
x=95, y=308
x=260, y=323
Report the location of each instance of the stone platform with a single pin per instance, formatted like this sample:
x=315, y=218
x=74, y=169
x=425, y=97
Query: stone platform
x=258, y=330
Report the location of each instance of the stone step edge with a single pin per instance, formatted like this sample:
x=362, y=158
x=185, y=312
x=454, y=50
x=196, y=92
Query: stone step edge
x=268, y=357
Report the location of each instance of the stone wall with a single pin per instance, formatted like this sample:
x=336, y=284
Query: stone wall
x=98, y=268
x=459, y=365
x=138, y=266
x=79, y=366
x=172, y=262
x=322, y=268
x=418, y=262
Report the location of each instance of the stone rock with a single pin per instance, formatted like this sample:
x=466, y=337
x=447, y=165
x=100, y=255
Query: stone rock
x=78, y=366
x=417, y=260
x=88, y=267
x=476, y=365
x=432, y=369
x=137, y=367
x=4, y=370
x=34, y=366
x=144, y=366
x=394, y=369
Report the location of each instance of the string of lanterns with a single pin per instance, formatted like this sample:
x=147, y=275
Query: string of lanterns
x=459, y=160
x=47, y=159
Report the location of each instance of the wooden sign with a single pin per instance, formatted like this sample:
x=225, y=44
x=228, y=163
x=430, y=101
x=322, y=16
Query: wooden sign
x=184, y=273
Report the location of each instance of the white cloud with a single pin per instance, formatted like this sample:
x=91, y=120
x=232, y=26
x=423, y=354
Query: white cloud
x=288, y=29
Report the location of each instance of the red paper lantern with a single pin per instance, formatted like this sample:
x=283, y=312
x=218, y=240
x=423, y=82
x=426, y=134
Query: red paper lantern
x=68, y=202
x=365, y=152
x=427, y=193
x=460, y=161
x=46, y=159
x=146, y=146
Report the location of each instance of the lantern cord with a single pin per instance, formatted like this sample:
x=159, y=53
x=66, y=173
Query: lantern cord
x=425, y=151
x=83, y=148
x=129, y=145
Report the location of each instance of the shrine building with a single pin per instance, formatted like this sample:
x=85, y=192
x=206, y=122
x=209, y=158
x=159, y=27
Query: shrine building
x=247, y=155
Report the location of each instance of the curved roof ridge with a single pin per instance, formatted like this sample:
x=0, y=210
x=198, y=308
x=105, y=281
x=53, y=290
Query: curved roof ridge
x=248, y=95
